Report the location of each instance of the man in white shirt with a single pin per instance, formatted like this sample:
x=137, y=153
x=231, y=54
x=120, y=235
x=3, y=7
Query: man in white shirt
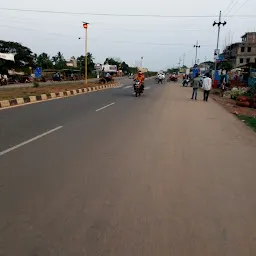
x=207, y=86
x=160, y=78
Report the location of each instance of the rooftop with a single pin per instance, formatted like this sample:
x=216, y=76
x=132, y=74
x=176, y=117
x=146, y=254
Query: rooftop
x=248, y=33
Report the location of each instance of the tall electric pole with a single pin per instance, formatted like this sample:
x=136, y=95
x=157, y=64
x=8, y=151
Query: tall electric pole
x=196, y=46
x=216, y=53
x=184, y=55
x=179, y=62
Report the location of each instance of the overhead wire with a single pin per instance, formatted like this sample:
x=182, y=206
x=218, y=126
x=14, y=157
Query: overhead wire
x=76, y=37
x=108, y=14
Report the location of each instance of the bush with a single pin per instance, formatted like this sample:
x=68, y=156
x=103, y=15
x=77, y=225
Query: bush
x=235, y=92
x=36, y=84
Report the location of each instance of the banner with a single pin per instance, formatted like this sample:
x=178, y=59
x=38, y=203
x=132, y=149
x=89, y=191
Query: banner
x=109, y=68
x=216, y=54
x=7, y=56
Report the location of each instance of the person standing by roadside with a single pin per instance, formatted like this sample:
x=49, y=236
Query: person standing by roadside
x=207, y=86
x=195, y=84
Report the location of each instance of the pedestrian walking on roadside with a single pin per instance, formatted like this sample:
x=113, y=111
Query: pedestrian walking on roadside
x=207, y=86
x=195, y=85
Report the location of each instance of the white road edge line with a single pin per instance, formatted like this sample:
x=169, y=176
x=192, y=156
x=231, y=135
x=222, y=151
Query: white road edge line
x=29, y=141
x=105, y=106
x=147, y=87
x=128, y=86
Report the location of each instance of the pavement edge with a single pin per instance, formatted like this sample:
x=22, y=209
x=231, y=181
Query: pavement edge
x=50, y=96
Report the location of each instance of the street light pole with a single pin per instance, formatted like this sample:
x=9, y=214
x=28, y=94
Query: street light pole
x=218, y=38
x=196, y=46
x=184, y=59
x=85, y=25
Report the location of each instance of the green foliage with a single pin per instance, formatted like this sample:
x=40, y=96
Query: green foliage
x=43, y=60
x=225, y=65
x=250, y=121
x=211, y=64
x=23, y=56
x=59, y=61
x=172, y=70
x=36, y=84
x=90, y=63
x=235, y=92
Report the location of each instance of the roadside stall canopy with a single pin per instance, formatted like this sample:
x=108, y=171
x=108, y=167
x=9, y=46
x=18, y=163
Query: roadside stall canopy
x=7, y=56
x=14, y=73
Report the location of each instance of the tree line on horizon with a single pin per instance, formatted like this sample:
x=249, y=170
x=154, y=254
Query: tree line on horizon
x=25, y=60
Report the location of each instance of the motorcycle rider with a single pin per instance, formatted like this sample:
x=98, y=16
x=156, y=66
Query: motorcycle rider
x=160, y=78
x=140, y=77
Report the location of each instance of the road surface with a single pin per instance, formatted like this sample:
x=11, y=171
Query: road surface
x=110, y=174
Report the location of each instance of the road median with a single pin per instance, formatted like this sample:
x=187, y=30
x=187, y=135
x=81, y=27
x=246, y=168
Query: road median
x=20, y=96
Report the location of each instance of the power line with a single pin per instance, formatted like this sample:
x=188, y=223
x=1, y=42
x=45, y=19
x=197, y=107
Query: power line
x=240, y=7
x=232, y=1
x=121, y=42
x=112, y=29
x=109, y=14
x=231, y=8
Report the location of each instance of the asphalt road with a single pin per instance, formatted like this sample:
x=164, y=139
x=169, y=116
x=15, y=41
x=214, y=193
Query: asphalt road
x=110, y=174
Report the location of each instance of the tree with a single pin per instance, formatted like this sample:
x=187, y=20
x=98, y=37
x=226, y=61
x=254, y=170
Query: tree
x=112, y=61
x=90, y=63
x=209, y=63
x=23, y=56
x=172, y=70
x=59, y=61
x=225, y=65
x=43, y=60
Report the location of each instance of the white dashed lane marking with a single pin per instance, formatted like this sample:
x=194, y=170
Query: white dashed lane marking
x=128, y=86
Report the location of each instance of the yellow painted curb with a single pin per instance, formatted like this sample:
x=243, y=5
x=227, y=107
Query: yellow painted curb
x=32, y=98
x=5, y=103
x=53, y=95
x=20, y=101
x=61, y=94
x=44, y=97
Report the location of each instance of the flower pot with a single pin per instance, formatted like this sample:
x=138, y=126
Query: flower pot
x=242, y=98
x=243, y=103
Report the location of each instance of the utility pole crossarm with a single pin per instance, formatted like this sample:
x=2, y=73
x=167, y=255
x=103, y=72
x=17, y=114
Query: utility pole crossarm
x=196, y=46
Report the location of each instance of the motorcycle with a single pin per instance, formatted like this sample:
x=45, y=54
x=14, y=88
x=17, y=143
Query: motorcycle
x=138, y=88
x=172, y=79
x=185, y=82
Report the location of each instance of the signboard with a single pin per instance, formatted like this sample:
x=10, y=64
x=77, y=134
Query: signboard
x=109, y=68
x=7, y=56
x=220, y=58
x=216, y=54
x=38, y=72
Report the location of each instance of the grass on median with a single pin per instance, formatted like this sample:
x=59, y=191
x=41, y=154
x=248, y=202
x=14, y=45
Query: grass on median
x=250, y=121
x=12, y=93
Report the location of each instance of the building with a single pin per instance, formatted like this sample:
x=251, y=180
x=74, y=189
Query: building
x=243, y=52
x=72, y=62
